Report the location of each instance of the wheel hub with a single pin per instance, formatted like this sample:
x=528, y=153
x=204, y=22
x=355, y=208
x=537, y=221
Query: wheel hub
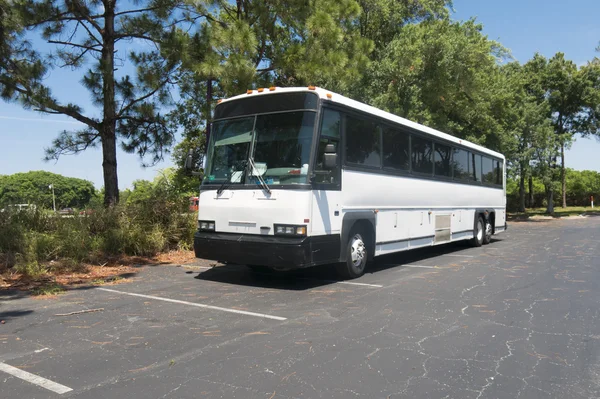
x=358, y=251
x=479, y=231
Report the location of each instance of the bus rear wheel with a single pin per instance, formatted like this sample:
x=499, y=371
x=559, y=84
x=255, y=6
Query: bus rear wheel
x=479, y=233
x=487, y=233
x=356, y=257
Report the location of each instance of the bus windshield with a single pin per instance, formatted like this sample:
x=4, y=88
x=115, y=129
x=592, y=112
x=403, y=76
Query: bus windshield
x=278, y=143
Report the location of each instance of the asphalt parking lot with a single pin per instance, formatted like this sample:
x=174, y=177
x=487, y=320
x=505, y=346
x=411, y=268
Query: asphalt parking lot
x=516, y=318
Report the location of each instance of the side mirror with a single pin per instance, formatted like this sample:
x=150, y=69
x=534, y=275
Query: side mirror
x=330, y=157
x=188, y=166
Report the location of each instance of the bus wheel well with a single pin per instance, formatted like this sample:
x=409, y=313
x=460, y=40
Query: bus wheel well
x=492, y=219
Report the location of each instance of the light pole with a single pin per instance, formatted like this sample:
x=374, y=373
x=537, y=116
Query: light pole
x=53, y=199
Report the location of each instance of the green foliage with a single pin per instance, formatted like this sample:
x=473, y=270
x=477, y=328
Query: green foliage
x=94, y=35
x=34, y=188
x=442, y=74
x=156, y=219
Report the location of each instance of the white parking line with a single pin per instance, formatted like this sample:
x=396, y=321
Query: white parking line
x=198, y=305
x=361, y=284
x=421, y=266
x=34, y=379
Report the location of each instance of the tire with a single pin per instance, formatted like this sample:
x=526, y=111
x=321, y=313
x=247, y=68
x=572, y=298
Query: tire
x=487, y=233
x=357, y=256
x=479, y=233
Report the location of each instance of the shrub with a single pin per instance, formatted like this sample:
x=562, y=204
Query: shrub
x=35, y=241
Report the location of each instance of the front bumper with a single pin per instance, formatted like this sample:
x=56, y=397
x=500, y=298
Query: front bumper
x=282, y=253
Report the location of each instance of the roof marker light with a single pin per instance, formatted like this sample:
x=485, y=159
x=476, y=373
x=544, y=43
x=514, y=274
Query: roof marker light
x=260, y=90
x=248, y=91
x=219, y=101
x=272, y=88
x=329, y=95
x=311, y=87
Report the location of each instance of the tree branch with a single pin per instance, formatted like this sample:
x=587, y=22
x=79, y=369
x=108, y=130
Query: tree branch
x=135, y=11
x=140, y=99
x=48, y=105
x=90, y=33
x=59, y=109
x=93, y=48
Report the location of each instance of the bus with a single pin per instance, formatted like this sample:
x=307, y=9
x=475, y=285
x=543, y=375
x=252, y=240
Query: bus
x=301, y=177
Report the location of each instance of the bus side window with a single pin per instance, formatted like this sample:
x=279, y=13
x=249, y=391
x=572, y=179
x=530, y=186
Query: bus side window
x=476, y=167
x=330, y=134
x=499, y=173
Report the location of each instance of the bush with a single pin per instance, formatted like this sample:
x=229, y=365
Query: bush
x=35, y=241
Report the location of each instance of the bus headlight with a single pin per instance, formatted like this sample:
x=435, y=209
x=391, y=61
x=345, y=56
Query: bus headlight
x=206, y=225
x=290, y=230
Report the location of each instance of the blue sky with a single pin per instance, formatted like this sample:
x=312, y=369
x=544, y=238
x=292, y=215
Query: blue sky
x=524, y=27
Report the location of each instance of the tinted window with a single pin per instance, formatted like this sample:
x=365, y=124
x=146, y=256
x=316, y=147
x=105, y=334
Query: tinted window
x=255, y=104
x=487, y=170
x=421, y=155
x=476, y=166
x=330, y=126
x=460, y=161
x=330, y=134
x=362, y=142
x=443, y=160
x=498, y=165
x=396, y=149
x=282, y=147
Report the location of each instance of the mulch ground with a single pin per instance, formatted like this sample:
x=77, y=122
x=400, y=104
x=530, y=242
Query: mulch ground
x=112, y=270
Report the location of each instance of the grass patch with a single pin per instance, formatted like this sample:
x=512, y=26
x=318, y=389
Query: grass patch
x=48, y=290
x=558, y=212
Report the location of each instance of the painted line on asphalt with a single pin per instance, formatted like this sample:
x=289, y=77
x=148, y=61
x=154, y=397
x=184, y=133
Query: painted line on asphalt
x=35, y=379
x=421, y=266
x=341, y=282
x=198, y=305
x=361, y=284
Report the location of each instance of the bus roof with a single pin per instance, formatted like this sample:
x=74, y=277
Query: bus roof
x=334, y=98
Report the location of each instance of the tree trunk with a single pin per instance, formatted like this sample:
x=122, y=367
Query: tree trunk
x=108, y=133
x=522, y=189
x=562, y=175
x=531, y=205
x=208, y=103
x=550, y=199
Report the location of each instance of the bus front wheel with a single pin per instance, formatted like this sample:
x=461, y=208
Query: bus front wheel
x=356, y=256
x=479, y=233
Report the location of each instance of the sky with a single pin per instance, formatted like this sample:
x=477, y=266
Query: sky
x=523, y=26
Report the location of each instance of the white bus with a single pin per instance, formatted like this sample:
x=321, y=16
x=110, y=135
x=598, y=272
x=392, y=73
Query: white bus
x=300, y=177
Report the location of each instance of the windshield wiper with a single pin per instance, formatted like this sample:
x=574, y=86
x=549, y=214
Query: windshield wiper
x=264, y=184
x=228, y=182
